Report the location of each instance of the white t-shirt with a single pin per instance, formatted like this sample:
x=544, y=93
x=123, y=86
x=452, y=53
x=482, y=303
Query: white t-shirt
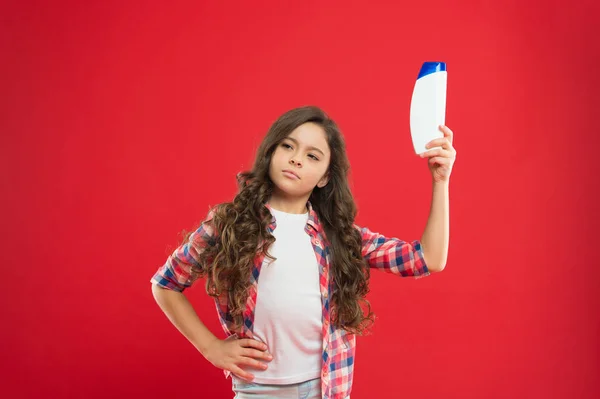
x=288, y=314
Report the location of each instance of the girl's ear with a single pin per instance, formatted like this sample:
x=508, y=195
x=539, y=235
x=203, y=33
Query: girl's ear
x=324, y=180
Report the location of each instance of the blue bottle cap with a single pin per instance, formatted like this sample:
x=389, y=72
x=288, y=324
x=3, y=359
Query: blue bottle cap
x=431, y=67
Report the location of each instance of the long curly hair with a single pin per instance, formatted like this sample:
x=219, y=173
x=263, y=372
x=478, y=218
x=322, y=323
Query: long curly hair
x=241, y=229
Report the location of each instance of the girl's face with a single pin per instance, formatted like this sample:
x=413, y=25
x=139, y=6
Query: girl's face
x=300, y=161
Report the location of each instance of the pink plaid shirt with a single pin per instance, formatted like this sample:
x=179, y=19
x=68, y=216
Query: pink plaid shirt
x=339, y=347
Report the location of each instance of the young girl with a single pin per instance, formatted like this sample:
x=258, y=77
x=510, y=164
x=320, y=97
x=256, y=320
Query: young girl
x=289, y=269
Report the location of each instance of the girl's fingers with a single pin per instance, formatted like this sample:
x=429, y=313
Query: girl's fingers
x=252, y=343
x=253, y=363
x=241, y=373
x=443, y=142
x=447, y=132
x=256, y=354
x=439, y=161
x=437, y=152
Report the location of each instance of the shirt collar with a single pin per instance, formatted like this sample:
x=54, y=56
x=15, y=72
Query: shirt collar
x=313, y=218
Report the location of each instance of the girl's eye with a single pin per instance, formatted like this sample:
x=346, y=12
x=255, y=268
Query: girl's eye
x=286, y=145
x=313, y=157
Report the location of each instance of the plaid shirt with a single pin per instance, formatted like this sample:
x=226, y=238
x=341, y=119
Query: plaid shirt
x=339, y=347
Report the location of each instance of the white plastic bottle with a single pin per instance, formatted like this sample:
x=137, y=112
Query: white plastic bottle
x=428, y=105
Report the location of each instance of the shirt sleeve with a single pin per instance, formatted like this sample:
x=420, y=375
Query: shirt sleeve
x=176, y=273
x=393, y=255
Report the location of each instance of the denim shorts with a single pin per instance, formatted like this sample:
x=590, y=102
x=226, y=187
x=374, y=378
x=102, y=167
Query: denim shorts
x=310, y=389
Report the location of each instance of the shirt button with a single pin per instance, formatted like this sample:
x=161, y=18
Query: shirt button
x=317, y=242
x=325, y=295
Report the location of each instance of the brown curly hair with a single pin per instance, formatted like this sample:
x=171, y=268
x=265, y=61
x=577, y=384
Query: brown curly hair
x=241, y=227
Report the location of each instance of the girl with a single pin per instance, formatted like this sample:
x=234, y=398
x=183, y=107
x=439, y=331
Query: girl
x=292, y=332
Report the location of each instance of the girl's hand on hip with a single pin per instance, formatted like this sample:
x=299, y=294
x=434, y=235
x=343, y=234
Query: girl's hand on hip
x=231, y=353
x=441, y=159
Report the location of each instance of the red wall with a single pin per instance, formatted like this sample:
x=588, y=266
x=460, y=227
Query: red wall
x=121, y=122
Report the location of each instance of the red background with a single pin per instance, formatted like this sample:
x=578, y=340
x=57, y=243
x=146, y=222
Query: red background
x=122, y=122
